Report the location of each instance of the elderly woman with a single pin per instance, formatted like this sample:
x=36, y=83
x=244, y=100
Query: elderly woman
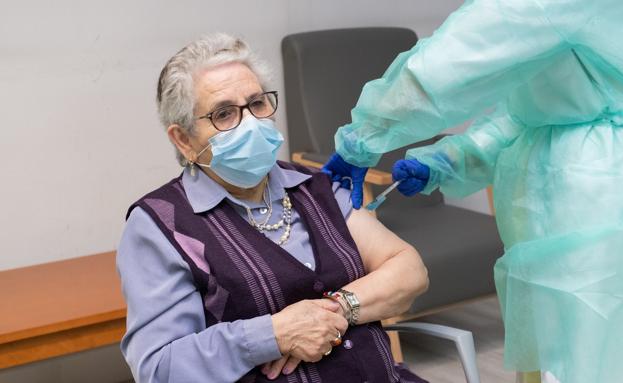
x=245, y=269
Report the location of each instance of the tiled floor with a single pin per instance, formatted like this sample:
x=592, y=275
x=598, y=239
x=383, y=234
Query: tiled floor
x=436, y=359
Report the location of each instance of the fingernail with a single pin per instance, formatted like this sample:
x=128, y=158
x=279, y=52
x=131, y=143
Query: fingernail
x=287, y=370
x=272, y=375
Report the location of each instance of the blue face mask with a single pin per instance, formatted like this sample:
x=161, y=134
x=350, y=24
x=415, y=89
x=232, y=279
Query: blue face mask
x=243, y=156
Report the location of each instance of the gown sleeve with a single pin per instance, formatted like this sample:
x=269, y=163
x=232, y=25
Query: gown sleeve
x=480, y=54
x=463, y=164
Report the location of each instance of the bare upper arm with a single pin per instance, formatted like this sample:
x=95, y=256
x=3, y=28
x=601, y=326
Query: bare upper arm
x=375, y=242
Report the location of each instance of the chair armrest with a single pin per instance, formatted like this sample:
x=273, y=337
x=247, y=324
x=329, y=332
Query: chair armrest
x=374, y=176
x=435, y=330
x=463, y=340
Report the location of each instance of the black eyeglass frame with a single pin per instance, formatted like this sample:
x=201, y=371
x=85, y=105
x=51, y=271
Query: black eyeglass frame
x=241, y=108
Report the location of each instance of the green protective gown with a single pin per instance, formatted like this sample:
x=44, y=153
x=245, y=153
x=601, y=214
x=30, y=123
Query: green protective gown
x=542, y=82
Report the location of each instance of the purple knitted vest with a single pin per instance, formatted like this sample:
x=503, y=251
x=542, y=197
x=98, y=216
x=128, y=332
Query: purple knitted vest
x=241, y=274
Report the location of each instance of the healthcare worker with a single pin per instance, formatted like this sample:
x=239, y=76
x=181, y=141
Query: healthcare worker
x=542, y=82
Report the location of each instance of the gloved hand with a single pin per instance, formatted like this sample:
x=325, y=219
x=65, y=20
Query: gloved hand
x=345, y=173
x=413, y=175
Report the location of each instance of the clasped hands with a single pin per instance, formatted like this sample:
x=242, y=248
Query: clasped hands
x=305, y=331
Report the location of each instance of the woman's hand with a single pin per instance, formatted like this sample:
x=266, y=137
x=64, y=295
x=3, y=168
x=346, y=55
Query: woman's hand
x=305, y=329
x=286, y=365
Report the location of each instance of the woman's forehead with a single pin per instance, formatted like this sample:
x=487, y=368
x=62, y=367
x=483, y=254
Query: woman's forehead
x=233, y=82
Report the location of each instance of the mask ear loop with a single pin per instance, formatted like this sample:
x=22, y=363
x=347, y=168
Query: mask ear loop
x=191, y=163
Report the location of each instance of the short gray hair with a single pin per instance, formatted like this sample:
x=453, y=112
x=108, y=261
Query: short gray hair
x=176, y=96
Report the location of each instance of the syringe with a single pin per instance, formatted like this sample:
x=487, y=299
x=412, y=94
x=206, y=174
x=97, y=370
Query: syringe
x=381, y=197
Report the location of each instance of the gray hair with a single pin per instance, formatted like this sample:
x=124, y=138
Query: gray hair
x=176, y=96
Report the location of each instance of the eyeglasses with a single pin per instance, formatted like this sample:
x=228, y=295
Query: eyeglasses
x=229, y=117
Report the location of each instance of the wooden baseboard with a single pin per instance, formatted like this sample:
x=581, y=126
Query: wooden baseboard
x=76, y=304
x=61, y=343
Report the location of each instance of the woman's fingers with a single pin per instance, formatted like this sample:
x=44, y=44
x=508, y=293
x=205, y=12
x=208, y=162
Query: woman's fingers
x=304, y=329
x=340, y=323
x=266, y=367
x=290, y=365
x=276, y=367
x=285, y=365
x=327, y=304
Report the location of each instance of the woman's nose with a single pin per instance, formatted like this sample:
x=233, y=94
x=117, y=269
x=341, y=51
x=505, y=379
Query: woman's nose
x=246, y=112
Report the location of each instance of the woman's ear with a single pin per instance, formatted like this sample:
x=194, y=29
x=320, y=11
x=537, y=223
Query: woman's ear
x=180, y=139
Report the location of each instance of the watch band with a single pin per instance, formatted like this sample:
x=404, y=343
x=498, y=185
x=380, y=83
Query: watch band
x=353, y=304
x=337, y=297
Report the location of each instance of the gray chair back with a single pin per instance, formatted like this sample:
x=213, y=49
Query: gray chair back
x=324, y=74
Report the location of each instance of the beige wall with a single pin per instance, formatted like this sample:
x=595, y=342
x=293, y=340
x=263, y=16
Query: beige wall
x=80, y=140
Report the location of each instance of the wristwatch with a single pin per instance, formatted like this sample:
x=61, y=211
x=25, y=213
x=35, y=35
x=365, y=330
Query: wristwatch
x=353, y=304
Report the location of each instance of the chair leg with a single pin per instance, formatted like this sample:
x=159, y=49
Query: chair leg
x=368, y=196
x=394, y=341
x=463, y=340
x=529, y=377
x=467, y=353
x=490, y=199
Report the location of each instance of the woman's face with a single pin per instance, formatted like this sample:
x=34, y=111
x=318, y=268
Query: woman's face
x=227, y=84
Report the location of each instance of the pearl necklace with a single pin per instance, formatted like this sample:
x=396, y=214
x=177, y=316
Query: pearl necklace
x=286, y=217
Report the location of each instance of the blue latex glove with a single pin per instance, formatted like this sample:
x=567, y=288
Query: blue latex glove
x=345, y=173
x=412, y=174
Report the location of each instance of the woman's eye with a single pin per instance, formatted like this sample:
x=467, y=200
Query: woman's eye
x=223, y=114
x=258, y=104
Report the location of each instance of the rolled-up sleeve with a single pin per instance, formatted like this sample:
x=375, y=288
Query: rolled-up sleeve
x=342, y=196
x=167, y=339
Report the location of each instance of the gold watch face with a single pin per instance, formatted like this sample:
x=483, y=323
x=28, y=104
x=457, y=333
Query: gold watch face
x=352, y=300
